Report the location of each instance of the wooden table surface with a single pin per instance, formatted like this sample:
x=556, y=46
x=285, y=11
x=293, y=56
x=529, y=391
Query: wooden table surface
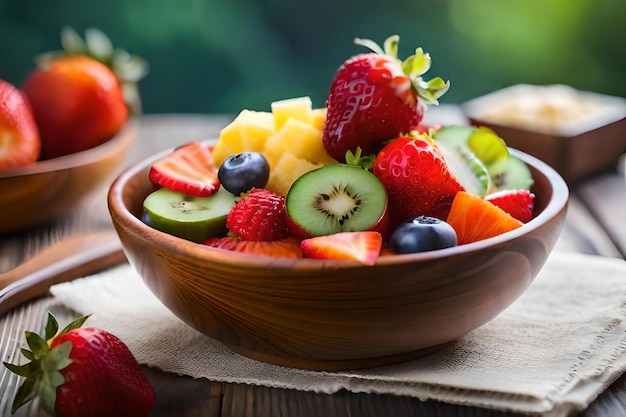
x=595, y=224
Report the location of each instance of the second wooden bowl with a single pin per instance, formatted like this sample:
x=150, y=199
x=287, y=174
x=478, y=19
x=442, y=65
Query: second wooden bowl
x=40, y=192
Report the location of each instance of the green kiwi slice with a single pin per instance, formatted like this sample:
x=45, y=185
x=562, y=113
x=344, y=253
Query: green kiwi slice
x=188, y=217
x=510, y=174
x=336, y=198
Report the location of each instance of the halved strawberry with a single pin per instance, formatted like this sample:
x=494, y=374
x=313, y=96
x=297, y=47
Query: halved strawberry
x=189, y=170
x=280, y=248
x=518, y=203
x=363, y=247
x=474, y=218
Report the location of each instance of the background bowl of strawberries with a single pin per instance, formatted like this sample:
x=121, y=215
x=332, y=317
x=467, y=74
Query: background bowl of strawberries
x=66, y=129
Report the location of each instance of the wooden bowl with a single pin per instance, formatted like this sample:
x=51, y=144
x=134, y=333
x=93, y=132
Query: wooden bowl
x=331, y=315
x=40, y=192
x=578, y=133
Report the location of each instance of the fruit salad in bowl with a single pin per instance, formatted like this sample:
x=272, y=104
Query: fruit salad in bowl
x=346, y=236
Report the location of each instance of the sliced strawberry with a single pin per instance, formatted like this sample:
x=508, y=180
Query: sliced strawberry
x=417, y=178
x=189, y=170
x=518, y=203
x=363, y=247
x=260, y=216
x=474, y=218
x=281, y=248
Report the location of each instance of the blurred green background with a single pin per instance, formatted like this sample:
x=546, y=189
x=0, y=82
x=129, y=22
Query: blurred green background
x=208, y=56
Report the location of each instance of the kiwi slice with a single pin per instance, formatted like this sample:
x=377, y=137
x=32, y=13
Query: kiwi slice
x=496, y=169
x=336, y=198
x=188, y=217
x=510, y=174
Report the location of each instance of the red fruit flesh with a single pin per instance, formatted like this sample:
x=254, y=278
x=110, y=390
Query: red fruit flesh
x=19, y=137
x=103, y=380
x=417, y=179
x=189, y=170
x=281, y=248
x=362, y=247
x=371, y=101
x=77, y=103
x=259, y=216
x=518, y=203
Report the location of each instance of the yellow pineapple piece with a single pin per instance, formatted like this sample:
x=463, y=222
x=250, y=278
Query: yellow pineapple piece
x=299, y=108
x=286, y=170
x=319, y=117
x=247, y=132
x=300, y=139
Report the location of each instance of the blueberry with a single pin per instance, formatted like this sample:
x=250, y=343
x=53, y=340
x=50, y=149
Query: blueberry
x=241, y=172
x=421, y=234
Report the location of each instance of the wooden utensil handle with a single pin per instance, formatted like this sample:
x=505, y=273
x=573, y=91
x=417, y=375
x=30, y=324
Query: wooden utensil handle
x=68, y=259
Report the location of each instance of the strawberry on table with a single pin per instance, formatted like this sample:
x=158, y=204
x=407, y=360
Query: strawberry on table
x=417, y=178
x=363, y=247
x=82, y=372
x=518, y=203
x=189, y=170
x=19, y=136
x=375, y=97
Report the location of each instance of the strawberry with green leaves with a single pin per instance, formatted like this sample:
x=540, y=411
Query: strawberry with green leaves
x=82, y=372
x=81, y=96
x=417, y=178
x=375, y=97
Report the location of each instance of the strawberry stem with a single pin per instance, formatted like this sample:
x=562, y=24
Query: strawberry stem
x=414, y=67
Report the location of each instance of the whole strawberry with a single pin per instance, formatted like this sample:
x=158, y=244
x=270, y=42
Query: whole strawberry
x=375, y=97
x=82, y=372
x=417, y=178
x=81, y=96
x=259, y=216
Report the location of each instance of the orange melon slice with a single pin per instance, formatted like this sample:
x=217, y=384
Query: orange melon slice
x=474, y=218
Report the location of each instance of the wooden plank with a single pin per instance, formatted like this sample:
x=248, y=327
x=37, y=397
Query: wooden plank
x=605, y=198
x=582, y=233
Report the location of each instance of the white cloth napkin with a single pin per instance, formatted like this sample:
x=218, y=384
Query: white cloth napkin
x=552, y=352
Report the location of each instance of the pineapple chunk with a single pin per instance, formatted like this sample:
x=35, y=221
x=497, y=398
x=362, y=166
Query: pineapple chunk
x=286, y=170
x=248, y=132
x=299, y=108
x=302, y=140
x=319, y=117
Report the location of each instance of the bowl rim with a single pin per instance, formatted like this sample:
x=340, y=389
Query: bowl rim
x=557, y=204
x=99, y=152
